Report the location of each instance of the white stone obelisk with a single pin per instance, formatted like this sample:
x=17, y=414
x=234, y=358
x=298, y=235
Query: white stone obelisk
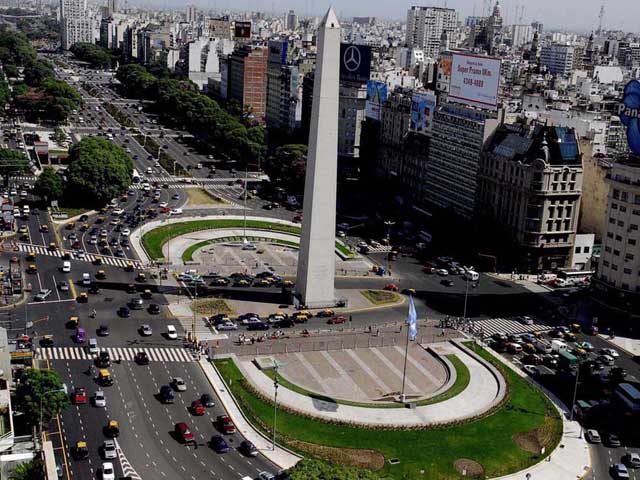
x=317, y=260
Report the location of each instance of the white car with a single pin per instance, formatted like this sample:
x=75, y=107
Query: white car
x=610, y=351
x=118, y=211
x=93, y=345
x=442, y=272
x=530, y=369
x=163, y=205
x=172, y=333
x=93, y=240
x=179, y=384
x=593, y=436
x=108, y=473
x=146, y=331
x=266, y=476
x=226, y=326
x=125, y=232
x=176, y=211
x=99, y=400
x=109, y=449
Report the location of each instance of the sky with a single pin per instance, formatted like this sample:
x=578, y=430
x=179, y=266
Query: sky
x=574, y=15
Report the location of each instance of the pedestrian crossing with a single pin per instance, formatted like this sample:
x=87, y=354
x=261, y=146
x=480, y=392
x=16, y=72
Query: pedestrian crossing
x=193, y=180
x=181, y=186
x=89, y=257
x=505, y=325
x=380, y=249
x=161, y=354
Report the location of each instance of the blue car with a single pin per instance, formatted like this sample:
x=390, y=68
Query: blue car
x=219, y=445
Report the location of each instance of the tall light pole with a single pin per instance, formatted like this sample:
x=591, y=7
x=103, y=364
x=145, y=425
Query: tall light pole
x=466, y=295
x=388, y=224
x=575, y=392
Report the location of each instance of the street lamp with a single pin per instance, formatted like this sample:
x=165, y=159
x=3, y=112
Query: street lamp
x=42, y=398
x=388, y=224
x=275, y=403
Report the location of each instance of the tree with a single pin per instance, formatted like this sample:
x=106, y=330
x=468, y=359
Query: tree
x=37, y=72
x=287, y=166
x=308, y=469
x=49, y=185
x=32, y=470
x=95, y=55
x=98, y=171
x=40, y=388
x=12, y=162
x=58, y=135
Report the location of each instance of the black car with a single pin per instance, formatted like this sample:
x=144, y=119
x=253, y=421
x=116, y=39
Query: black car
x=124, y=312
x=219, y=445
x=166, y=394
x=103, y=331
x=154, y=309
x=258, y=326
x=447, y=283
x=103, y=360
x=142, y=358
x=207, y=400
x=285, y=323
x=94, y=289
x=249, y=449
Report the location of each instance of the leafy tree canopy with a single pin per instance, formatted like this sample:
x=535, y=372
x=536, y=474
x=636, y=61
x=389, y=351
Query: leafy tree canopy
x=12, y=161
x=36, y=386
x=33, y=470
x=98, y=171
x=95, y=55
x=49, y=185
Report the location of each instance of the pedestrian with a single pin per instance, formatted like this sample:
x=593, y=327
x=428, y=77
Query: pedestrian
x=442, y=333
x=253, y=340
x=378, y=332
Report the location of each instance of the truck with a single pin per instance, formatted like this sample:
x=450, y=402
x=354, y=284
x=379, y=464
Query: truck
x=566, y=359
x=558, y=345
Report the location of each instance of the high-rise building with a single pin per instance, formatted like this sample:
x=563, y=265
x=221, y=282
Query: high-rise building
x=112, y=7
x=558, y=58
x=292, y=20
x=76, y=25
x=247, y=79
x=317, y=262
x=220, y=28
x=521, y=35
x=353, y=100
x=284, y=100
x=529, y=189
x=191, y=13
x=458, y=136
x=425, y=26
x=619, y=266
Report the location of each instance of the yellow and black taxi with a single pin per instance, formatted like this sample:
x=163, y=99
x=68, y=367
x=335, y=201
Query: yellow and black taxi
x=101, y=274
x=104, y=377
x=83, y=297
x=147, y=294
x=81, y=451
x=97, y=260
x=46, y=341
x=44, y=228
x=32, y=268
x=141, y=277
x=112, y=429
x=71, y=225
x=128, y=267
x=52, y=246
x=31, y=255
x=73, y=322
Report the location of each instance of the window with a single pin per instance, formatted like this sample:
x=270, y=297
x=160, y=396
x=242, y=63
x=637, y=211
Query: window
x=629, y=256
x=606, y=263
x=627, y=271
x=552, y=211
x=618, y=238
x=636, y=212
x=623, y=208
x=607, y=249
x=620, y=223
x=614, y=267
x=631, y=241
x=616, y=194
x=612, y=220
x=624, y=196
x=610, y=235
x=586, y=249
x=578, y=250
x=636, y=199
x=614, y=206
x=633, y=227
x=616, y=253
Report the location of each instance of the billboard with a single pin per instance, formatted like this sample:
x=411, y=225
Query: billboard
x=242, y=30
x=423, y=106
x=376, y=95
x=629, y=113
x=355, y=62
x=475, y=80
x=278, y=52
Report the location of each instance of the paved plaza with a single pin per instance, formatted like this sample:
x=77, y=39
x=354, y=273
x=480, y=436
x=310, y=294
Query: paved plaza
x=365, y=374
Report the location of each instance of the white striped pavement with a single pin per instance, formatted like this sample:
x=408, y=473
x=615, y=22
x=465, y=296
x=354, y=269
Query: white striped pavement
x=89, y=257
x=505, y=325
x=163, y=354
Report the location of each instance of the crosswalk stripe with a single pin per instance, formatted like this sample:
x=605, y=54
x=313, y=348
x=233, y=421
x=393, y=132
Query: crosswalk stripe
x=503, y=325
x=89, y=257
x=155, y=354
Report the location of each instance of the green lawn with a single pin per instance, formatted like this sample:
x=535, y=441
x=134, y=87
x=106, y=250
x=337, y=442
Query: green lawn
x=487, y=440
x=462, y=380
x=156, y=238
x=380, y=297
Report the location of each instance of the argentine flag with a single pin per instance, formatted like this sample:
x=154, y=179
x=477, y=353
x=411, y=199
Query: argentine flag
x=412, y=320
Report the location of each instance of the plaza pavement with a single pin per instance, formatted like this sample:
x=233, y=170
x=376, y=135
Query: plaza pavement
x=486, y=388
x=629, y=345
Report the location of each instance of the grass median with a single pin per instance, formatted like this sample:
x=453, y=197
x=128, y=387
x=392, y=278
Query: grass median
x=153, y=240
x=428, y=454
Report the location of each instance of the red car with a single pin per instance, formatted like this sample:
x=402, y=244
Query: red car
x=337, y=320
x=165, y=210
x=392, y=287
x=183, y=432
x=79, y=396
x=197, y=408
x=226, y=425
x=297, y=218
x=428, y=269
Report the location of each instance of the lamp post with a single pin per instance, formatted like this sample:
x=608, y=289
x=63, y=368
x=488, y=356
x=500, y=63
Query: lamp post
x=575, y=392
x=466, y=295
x=276, y=384
x=388, y=224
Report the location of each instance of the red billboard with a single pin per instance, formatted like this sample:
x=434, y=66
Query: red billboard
x=242, y=30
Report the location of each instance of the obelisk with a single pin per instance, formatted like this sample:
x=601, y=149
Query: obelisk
x=316, y=262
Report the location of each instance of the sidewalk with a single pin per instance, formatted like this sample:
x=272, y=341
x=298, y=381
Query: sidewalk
x=280, y=457
x=629, y=345
x=571, y=458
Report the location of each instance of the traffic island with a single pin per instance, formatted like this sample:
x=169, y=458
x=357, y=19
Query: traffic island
x=428, y=449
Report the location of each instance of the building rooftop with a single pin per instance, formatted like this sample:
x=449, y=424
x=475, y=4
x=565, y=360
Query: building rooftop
x=556, y=145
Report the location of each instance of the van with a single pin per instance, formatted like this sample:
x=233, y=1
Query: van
x=471, y=275
x=66, y=266
x=558, y=345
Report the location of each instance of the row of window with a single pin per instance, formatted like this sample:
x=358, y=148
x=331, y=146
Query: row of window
x=618, y=238
x=623, y=286
x=628, y=256
x=625, y=196
x=620, y=223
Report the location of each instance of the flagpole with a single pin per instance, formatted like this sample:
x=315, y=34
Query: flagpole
x=406, y=354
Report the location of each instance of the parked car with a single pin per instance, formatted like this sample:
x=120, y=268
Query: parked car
x=593, y=436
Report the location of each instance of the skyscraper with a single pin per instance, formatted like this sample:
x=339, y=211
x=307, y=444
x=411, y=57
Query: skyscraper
x=317, y=263
x=292, y=20
x=76, y=25
x=425, y=26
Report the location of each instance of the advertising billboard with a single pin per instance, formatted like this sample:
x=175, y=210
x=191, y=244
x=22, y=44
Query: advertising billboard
x=355, y=62
x=475, y=80
x=242, y=30
x=423, y=106
x=377, y=94
x=629, y=113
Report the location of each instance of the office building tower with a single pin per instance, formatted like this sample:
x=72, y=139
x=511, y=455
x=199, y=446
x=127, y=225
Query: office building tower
x=292, y=21
x=529, y=190
x=76, y=25
x=458, y=136
x=558, y=58
x=192, y=14
x=247, y=79
x=425, y=26
x=284, y=100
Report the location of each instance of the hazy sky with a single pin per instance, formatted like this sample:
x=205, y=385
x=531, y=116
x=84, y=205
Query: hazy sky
x=580, y=15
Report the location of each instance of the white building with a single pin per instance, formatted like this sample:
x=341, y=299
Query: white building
x=521, y=35
x=76, y=24
x=425, y=26
x=582, y=250
x=204, y=59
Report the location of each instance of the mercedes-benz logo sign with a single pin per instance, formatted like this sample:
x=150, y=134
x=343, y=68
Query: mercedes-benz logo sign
x=352, y=58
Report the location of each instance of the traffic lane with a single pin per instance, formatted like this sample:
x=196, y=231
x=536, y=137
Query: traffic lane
x=624, y=359
x=602, y=457
x=204, y=427
x=83, y=422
